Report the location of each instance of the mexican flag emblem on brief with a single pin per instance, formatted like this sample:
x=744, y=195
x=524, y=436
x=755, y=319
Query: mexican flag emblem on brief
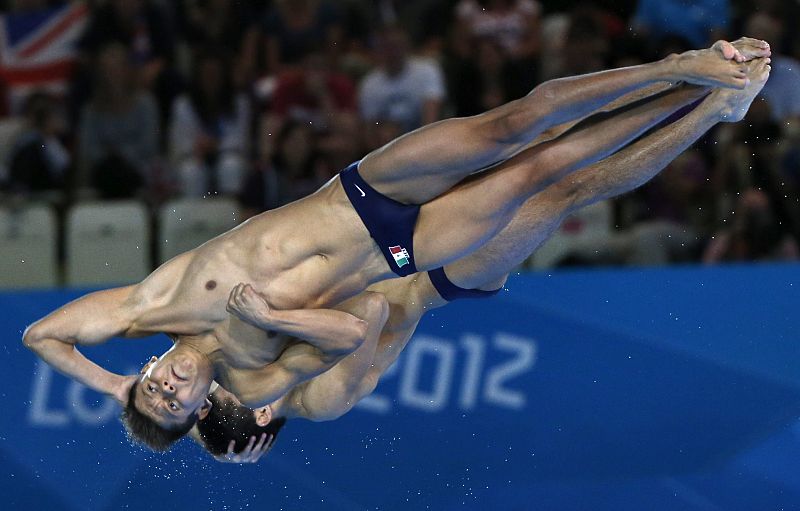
x=400, y=255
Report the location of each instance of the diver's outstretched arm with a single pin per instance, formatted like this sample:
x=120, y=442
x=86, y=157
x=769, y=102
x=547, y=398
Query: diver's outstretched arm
x=90, y=320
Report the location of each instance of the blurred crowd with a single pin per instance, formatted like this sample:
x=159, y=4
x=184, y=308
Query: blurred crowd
x=264, y=101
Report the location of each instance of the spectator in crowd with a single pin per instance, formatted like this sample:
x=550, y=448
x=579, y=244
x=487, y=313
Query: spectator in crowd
x=698, y=21
x=380, y=133
x=209, y=131
x=587, y=44
x=789, y=157
x=323, y=98
x=670, y=44
x=404, y=89
x=512, y=24
x=118, y=129
x=38, y=161
x=680, y=194
x=295, y=27
x=628, y=50
x=786, y=11
x=314, y=92
x=145, y=28
x=341, y=147
x=668, y=218
x=747, y=156
x=292, y=172
x=514, y=27
x=482, y=81
x=753, y=234
x=782, y=91
x=305, y=57
x=138, y=24
x=228, y=26
x=427, y=21
x=581, y=41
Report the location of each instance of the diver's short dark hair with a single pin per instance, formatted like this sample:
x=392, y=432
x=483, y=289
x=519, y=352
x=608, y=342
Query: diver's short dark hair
x=228, y=421
x=144, y=430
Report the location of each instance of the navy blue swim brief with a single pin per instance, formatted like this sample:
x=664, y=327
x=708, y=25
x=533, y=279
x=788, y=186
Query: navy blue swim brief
x=450, y=291
x=389, y=222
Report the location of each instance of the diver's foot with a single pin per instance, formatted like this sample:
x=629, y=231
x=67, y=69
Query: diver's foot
x=751, y=48
x=718, y=66
x=733, y=104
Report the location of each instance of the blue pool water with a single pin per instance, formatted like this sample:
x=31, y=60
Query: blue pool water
x=673, y=389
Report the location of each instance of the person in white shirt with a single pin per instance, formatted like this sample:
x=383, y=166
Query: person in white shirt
x=209, y=132
x=403, y=89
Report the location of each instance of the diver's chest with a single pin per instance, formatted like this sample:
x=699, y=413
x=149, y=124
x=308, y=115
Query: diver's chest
x=248, y=347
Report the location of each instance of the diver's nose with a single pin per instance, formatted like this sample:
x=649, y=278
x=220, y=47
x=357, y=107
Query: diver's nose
x=168, y=387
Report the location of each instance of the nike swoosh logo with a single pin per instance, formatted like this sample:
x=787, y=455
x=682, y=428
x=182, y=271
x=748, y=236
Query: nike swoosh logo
x=360, y=190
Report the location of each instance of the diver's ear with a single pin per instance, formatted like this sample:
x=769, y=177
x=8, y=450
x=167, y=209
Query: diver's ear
x=150, y=362
x=263, y=415
x=202, y=412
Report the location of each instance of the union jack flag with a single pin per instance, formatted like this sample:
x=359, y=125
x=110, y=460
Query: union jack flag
x=38, y=50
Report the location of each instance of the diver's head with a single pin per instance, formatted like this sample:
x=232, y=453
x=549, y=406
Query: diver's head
x=229, y=420
x=169, y=397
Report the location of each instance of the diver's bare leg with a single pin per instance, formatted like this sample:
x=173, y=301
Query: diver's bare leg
x=748, y=47
x=478, y=209
x=421, y=165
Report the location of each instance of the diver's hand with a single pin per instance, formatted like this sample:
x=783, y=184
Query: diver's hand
x=250, y=454
x=122, y=388
x=248, y=305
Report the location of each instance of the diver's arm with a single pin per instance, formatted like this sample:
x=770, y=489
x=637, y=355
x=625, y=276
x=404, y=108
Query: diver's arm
x=334, y=392
x=301, y=362
x=89, y=320
x=334, y=333
x=296, y=364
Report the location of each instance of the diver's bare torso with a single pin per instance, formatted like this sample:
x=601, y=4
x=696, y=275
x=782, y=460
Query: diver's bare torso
x=310, y=254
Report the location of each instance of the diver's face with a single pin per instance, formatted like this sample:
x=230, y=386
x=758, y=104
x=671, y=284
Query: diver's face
x=174, y=387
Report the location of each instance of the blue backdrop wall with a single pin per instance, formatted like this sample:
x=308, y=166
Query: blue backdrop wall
x=659, y=389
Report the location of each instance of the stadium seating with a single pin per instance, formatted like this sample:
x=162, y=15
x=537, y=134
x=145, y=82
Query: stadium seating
x=10, y=129
x=107, y=243
x=187, y=223
x=28, y=241
x=581, y=236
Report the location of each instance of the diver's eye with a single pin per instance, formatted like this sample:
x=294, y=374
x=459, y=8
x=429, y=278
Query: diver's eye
x=151, y=388
x=172, y=405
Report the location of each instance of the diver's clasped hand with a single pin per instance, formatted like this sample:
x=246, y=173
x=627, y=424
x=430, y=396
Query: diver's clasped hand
x=249, y=305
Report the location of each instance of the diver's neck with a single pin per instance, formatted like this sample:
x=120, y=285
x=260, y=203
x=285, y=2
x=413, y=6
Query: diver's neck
x=285, y=407
x=205, y=345
x=207, y=348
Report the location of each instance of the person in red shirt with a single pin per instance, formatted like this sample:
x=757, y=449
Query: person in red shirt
x=316, y=95
x=313, y=92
